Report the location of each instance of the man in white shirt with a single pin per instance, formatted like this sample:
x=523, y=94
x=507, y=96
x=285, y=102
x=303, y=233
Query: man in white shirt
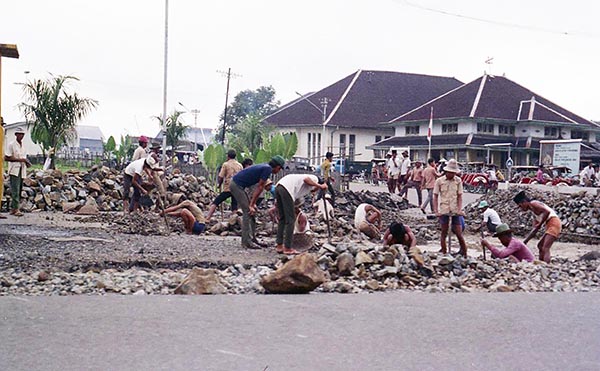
x=367, y=219
x=289, y=189
x=404, y=168
x=491, y=219
x=17, y=170
x=133, y=177
x=140, y=151
x=587, y=176
x=393, y=171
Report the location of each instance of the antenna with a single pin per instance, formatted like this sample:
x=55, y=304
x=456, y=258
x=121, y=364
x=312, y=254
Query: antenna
x=489, y=62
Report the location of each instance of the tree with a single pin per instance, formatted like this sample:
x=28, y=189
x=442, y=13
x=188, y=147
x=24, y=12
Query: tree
x=249, y=136
x=259, y=103
x=175, y=129
x=53, y=112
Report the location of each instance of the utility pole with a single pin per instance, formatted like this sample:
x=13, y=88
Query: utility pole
x=164, y=113
x=324, y=102
x=229, y=75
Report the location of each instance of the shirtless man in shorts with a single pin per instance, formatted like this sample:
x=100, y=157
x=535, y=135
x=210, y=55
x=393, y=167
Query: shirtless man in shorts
x=192, y=215
x=544, y=215
x=398, y=233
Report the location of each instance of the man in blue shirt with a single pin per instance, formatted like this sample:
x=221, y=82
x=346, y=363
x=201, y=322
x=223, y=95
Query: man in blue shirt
x=256, y=174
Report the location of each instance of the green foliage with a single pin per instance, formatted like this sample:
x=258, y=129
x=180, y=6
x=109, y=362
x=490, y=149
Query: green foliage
x=110, y=146
x=291, y=141
x=126, y=149
x=262, y=156
x=175, y=129
x=277, y=145
x=259, y=103
x=53, y=111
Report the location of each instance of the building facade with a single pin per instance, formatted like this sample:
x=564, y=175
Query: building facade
x=344, y=117
x=472, y=122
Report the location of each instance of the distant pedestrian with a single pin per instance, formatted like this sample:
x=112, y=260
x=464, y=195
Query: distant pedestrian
x=326, y=169
x=515, y=250
x=367, y=219
x=1, y=166
x=447, y=205
x=18, y=163
x=430, y=174
x=544, y=215
x=141, y=151
x=415, y=179
x=404, y=169
x=539, y=176
x=256, y=174
x=491, y=219
x=228, y=170
x=393, y=171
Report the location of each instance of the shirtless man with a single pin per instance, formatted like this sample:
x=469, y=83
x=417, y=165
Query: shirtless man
x=192, y=216
x=398, y=233
x=543, y=215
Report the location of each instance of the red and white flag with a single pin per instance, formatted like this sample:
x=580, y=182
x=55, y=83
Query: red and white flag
x=430, y=126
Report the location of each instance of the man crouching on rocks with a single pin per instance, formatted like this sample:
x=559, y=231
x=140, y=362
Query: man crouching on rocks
x=192, y=215
x=367, y=219
x=398, y=233
x=245, y=179
x=289, y=189
x=543, y=215
x=515, y=250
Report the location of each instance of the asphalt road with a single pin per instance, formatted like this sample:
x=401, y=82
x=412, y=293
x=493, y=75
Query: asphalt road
x=392, y=331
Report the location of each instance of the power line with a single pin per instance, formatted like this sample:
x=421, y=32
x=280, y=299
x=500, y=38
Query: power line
x=498, y=23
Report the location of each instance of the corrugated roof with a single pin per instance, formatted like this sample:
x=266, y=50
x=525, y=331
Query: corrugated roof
x=89, y=132
x=364, y=99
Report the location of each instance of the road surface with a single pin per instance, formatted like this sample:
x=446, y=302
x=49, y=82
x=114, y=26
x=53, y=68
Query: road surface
x=388, y=331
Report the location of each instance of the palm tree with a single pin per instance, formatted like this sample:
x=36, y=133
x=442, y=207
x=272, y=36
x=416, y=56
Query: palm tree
x=175, y=129
x=53, y=112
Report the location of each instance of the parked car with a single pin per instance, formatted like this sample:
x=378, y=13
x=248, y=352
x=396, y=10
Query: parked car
x=299, y=163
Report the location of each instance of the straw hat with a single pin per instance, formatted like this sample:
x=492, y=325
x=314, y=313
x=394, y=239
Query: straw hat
x=452, y=166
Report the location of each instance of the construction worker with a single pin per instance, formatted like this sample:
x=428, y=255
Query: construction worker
x=141, y=151
x=544, y=215
x=1, y=166
x=327, y=176
x=515, y=249
x=192, y=215
x=228, y=170
x=367, y=219
x=447, y=205
x=17, y=170
x=245, y=179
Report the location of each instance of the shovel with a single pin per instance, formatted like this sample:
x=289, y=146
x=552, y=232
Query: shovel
x=327, y=219
x=482, y=247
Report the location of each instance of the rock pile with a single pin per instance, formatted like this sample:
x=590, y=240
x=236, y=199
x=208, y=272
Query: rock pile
x=371, y=270
x=100, y=189
x=579, y=212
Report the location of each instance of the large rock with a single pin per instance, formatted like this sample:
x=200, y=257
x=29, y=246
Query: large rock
x=69, y=206
x=93, y=186
x=201, y=282
x=90, y=207
x=298, y=276
x=345, y=264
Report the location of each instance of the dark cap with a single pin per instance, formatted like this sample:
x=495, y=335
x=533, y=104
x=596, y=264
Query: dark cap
x=329, y=155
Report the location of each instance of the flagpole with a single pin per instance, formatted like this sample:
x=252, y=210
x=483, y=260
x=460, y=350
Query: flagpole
x=429, y=133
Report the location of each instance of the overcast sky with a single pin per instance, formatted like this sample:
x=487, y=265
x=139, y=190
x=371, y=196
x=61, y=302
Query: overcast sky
x=116, y=49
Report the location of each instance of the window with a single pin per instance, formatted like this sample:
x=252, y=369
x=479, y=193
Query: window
x=377, y=138
x=449, y=128
x=309, y=152
x=580, y=135
x=506, y=130
x=318, y=147
x=352, y=147
x=485, y=128
x=342, y=144
x=412, y=130
x=550, y=132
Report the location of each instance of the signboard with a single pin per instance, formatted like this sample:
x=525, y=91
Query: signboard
x=561, y=153
x=509, y=163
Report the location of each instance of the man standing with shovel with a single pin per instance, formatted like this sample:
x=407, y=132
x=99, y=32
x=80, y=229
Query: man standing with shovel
x=447, y=205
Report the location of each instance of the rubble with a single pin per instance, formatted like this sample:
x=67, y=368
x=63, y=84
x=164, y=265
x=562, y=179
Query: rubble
x=578, y=212
x=53, y=190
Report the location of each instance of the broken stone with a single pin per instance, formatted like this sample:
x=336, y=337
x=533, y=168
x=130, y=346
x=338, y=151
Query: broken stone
x=298, y=276
x=201, y=282
x=345, y=263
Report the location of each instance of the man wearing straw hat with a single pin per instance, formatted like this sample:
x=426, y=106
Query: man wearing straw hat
x=447, y=205
x=17, y=170
x=515, y=250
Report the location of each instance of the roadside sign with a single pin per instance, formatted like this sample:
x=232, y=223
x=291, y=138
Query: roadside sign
x=509, y=163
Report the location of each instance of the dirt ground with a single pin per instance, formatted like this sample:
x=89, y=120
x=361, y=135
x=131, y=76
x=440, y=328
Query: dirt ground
x=61, y=242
